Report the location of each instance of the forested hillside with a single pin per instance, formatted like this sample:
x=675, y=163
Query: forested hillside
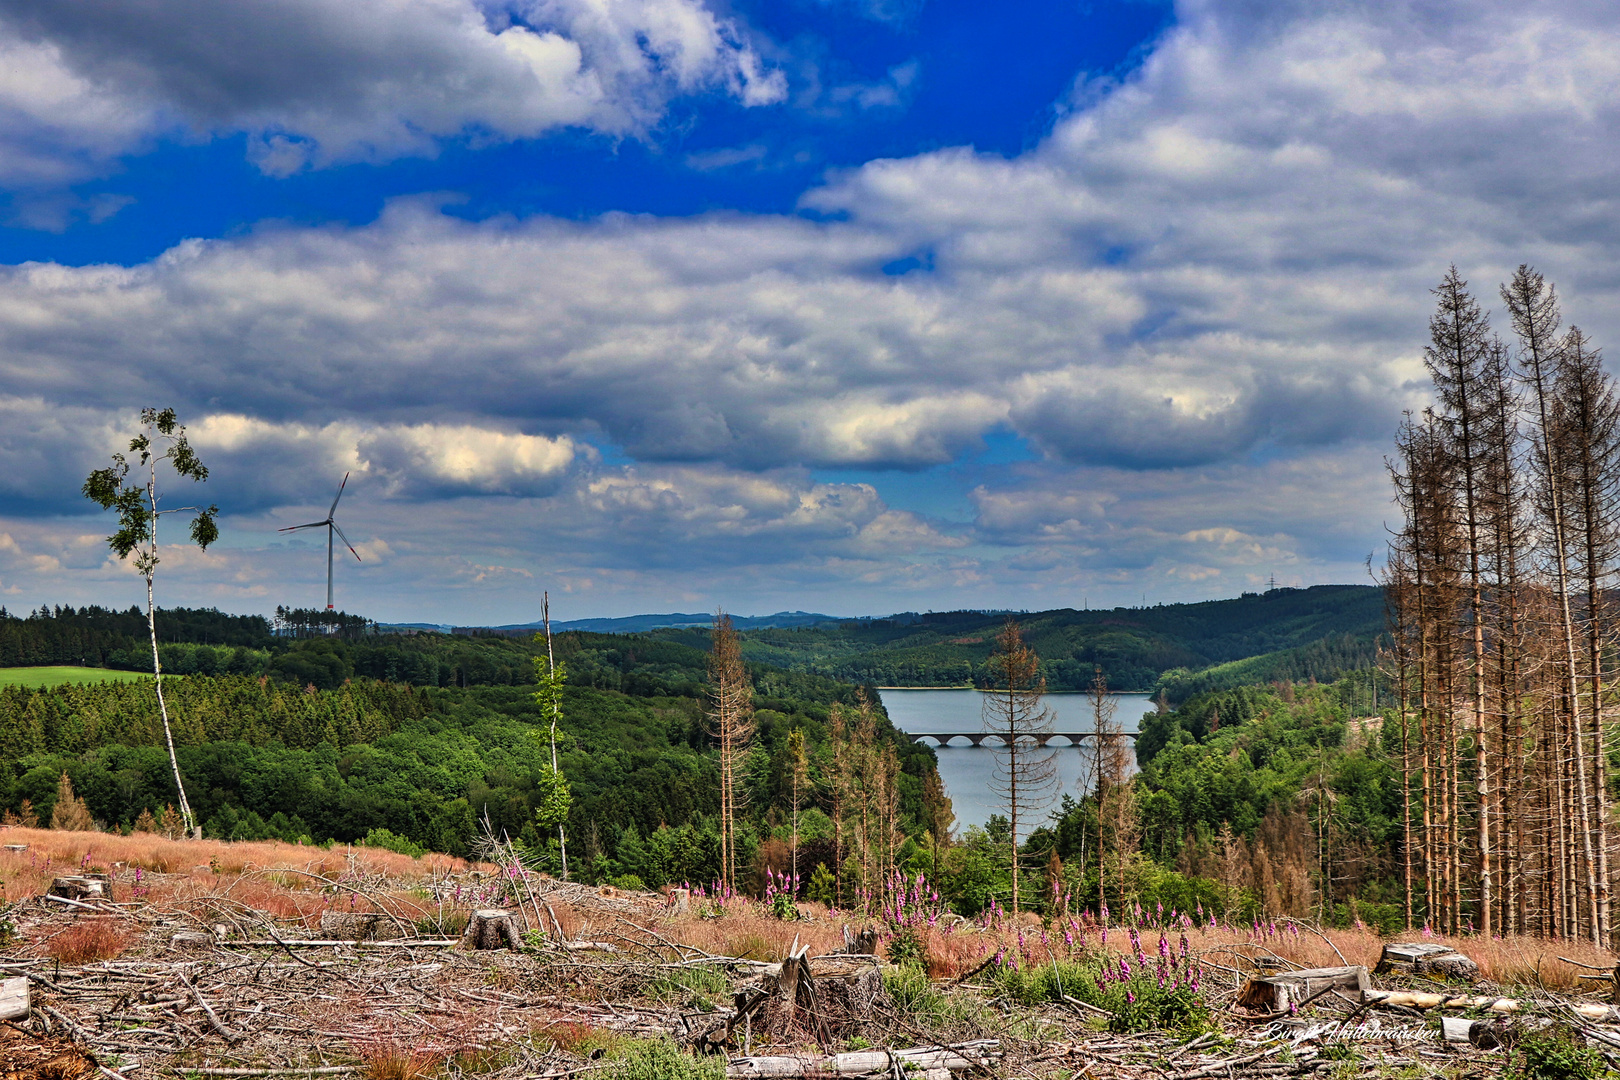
x=267, y=756
x=1284, y=800
x=1320, y=633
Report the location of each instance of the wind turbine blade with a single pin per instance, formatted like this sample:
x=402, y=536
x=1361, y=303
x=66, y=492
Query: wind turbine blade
x=346, y=543
x=338, y=496
x=309, y=525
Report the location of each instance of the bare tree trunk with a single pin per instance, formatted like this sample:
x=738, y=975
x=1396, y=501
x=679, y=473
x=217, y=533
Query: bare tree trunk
x=148, y=563
x=1013, y=711
x=731, y=718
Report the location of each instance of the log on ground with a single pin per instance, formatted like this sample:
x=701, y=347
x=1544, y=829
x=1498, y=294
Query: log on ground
x=931, y=1061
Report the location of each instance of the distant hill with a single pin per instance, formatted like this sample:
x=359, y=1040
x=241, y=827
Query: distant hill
x=1320, y=632
x=640, y=624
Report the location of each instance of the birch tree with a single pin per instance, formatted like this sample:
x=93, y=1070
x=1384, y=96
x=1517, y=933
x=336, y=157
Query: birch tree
x=130, y=488
x=556, y=801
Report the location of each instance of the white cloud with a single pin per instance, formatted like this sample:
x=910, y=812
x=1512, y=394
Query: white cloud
x=319, y=81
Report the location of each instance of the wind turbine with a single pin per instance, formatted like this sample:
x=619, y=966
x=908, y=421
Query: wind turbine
x=331, y=527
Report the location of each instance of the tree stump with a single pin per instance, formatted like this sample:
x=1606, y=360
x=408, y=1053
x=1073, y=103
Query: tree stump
x=192, y=941
x=1276, y=992
x=491, y=928
x=863, y=942
x=679, y=901
x=79, y=887
x=358, y=926
x=1426, y=958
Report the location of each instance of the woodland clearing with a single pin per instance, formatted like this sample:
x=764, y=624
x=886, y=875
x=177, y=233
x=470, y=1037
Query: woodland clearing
x=221, y=959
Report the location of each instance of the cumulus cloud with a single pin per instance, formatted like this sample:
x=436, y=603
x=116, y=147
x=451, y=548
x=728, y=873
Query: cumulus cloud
x=318, y=81
x=49, y=451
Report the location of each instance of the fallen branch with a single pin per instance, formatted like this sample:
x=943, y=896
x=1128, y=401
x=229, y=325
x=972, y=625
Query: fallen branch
x=208, y=1010
x=312, y=1070
x=329, y=943
x=958, y=1058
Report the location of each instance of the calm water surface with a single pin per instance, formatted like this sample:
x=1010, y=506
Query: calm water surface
x=966, y=770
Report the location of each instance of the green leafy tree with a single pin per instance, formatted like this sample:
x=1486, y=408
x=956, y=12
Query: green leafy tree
x=555, y=800
x=131, y=490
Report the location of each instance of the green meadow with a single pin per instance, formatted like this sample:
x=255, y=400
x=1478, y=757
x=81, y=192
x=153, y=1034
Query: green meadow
x=56, y=676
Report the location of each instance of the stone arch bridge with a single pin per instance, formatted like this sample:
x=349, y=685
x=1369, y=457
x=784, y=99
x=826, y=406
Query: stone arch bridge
x=942, y=739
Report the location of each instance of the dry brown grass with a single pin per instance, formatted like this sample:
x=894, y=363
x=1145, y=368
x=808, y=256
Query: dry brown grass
x=1514, y=961
x=1518, y=960
x=91, y=939
x=755, y=936
x=66, y=851
x=572, y=1035
x=389, y=1059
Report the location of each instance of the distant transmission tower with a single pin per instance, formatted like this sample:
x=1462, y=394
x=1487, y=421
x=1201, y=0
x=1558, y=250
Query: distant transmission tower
x=1272, y=587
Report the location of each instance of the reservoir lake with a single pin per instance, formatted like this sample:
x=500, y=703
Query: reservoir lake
x=967, y=770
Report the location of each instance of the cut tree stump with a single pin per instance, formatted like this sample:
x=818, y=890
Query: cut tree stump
x=862, y=942
x=491, y=928
x=14, y=1003
x=1275, y=992
x=79, y=887
x=679, y=901
x=358, y=926
x=1426, y=958
x=797, y=988
x=840, y=999
x=192, y=941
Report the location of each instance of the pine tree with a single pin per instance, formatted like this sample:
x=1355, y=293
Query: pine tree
x=70, y=813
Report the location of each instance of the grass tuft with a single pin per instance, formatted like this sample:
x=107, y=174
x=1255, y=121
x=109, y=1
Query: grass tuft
x=89, y=940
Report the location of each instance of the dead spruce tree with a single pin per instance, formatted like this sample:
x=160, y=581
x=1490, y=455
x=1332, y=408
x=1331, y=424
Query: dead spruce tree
x=1588, y=421
x=1458, y=357
x=1498, y=584
x=731, y=723
x=1118, y=831
x=1014, y=712
x=131, y=489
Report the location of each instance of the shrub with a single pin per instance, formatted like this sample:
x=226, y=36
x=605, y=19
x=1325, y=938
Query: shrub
x=392, y=841
x=1147, y=994
x=1554, y=1053
x=923, y=1003
x=660, y=1059
x=699, y=987
x=630, y=883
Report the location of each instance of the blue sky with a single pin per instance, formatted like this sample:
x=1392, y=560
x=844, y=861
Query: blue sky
x=845, y=305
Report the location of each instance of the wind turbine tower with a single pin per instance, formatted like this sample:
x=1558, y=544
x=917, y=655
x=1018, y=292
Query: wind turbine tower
x=331, y=527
